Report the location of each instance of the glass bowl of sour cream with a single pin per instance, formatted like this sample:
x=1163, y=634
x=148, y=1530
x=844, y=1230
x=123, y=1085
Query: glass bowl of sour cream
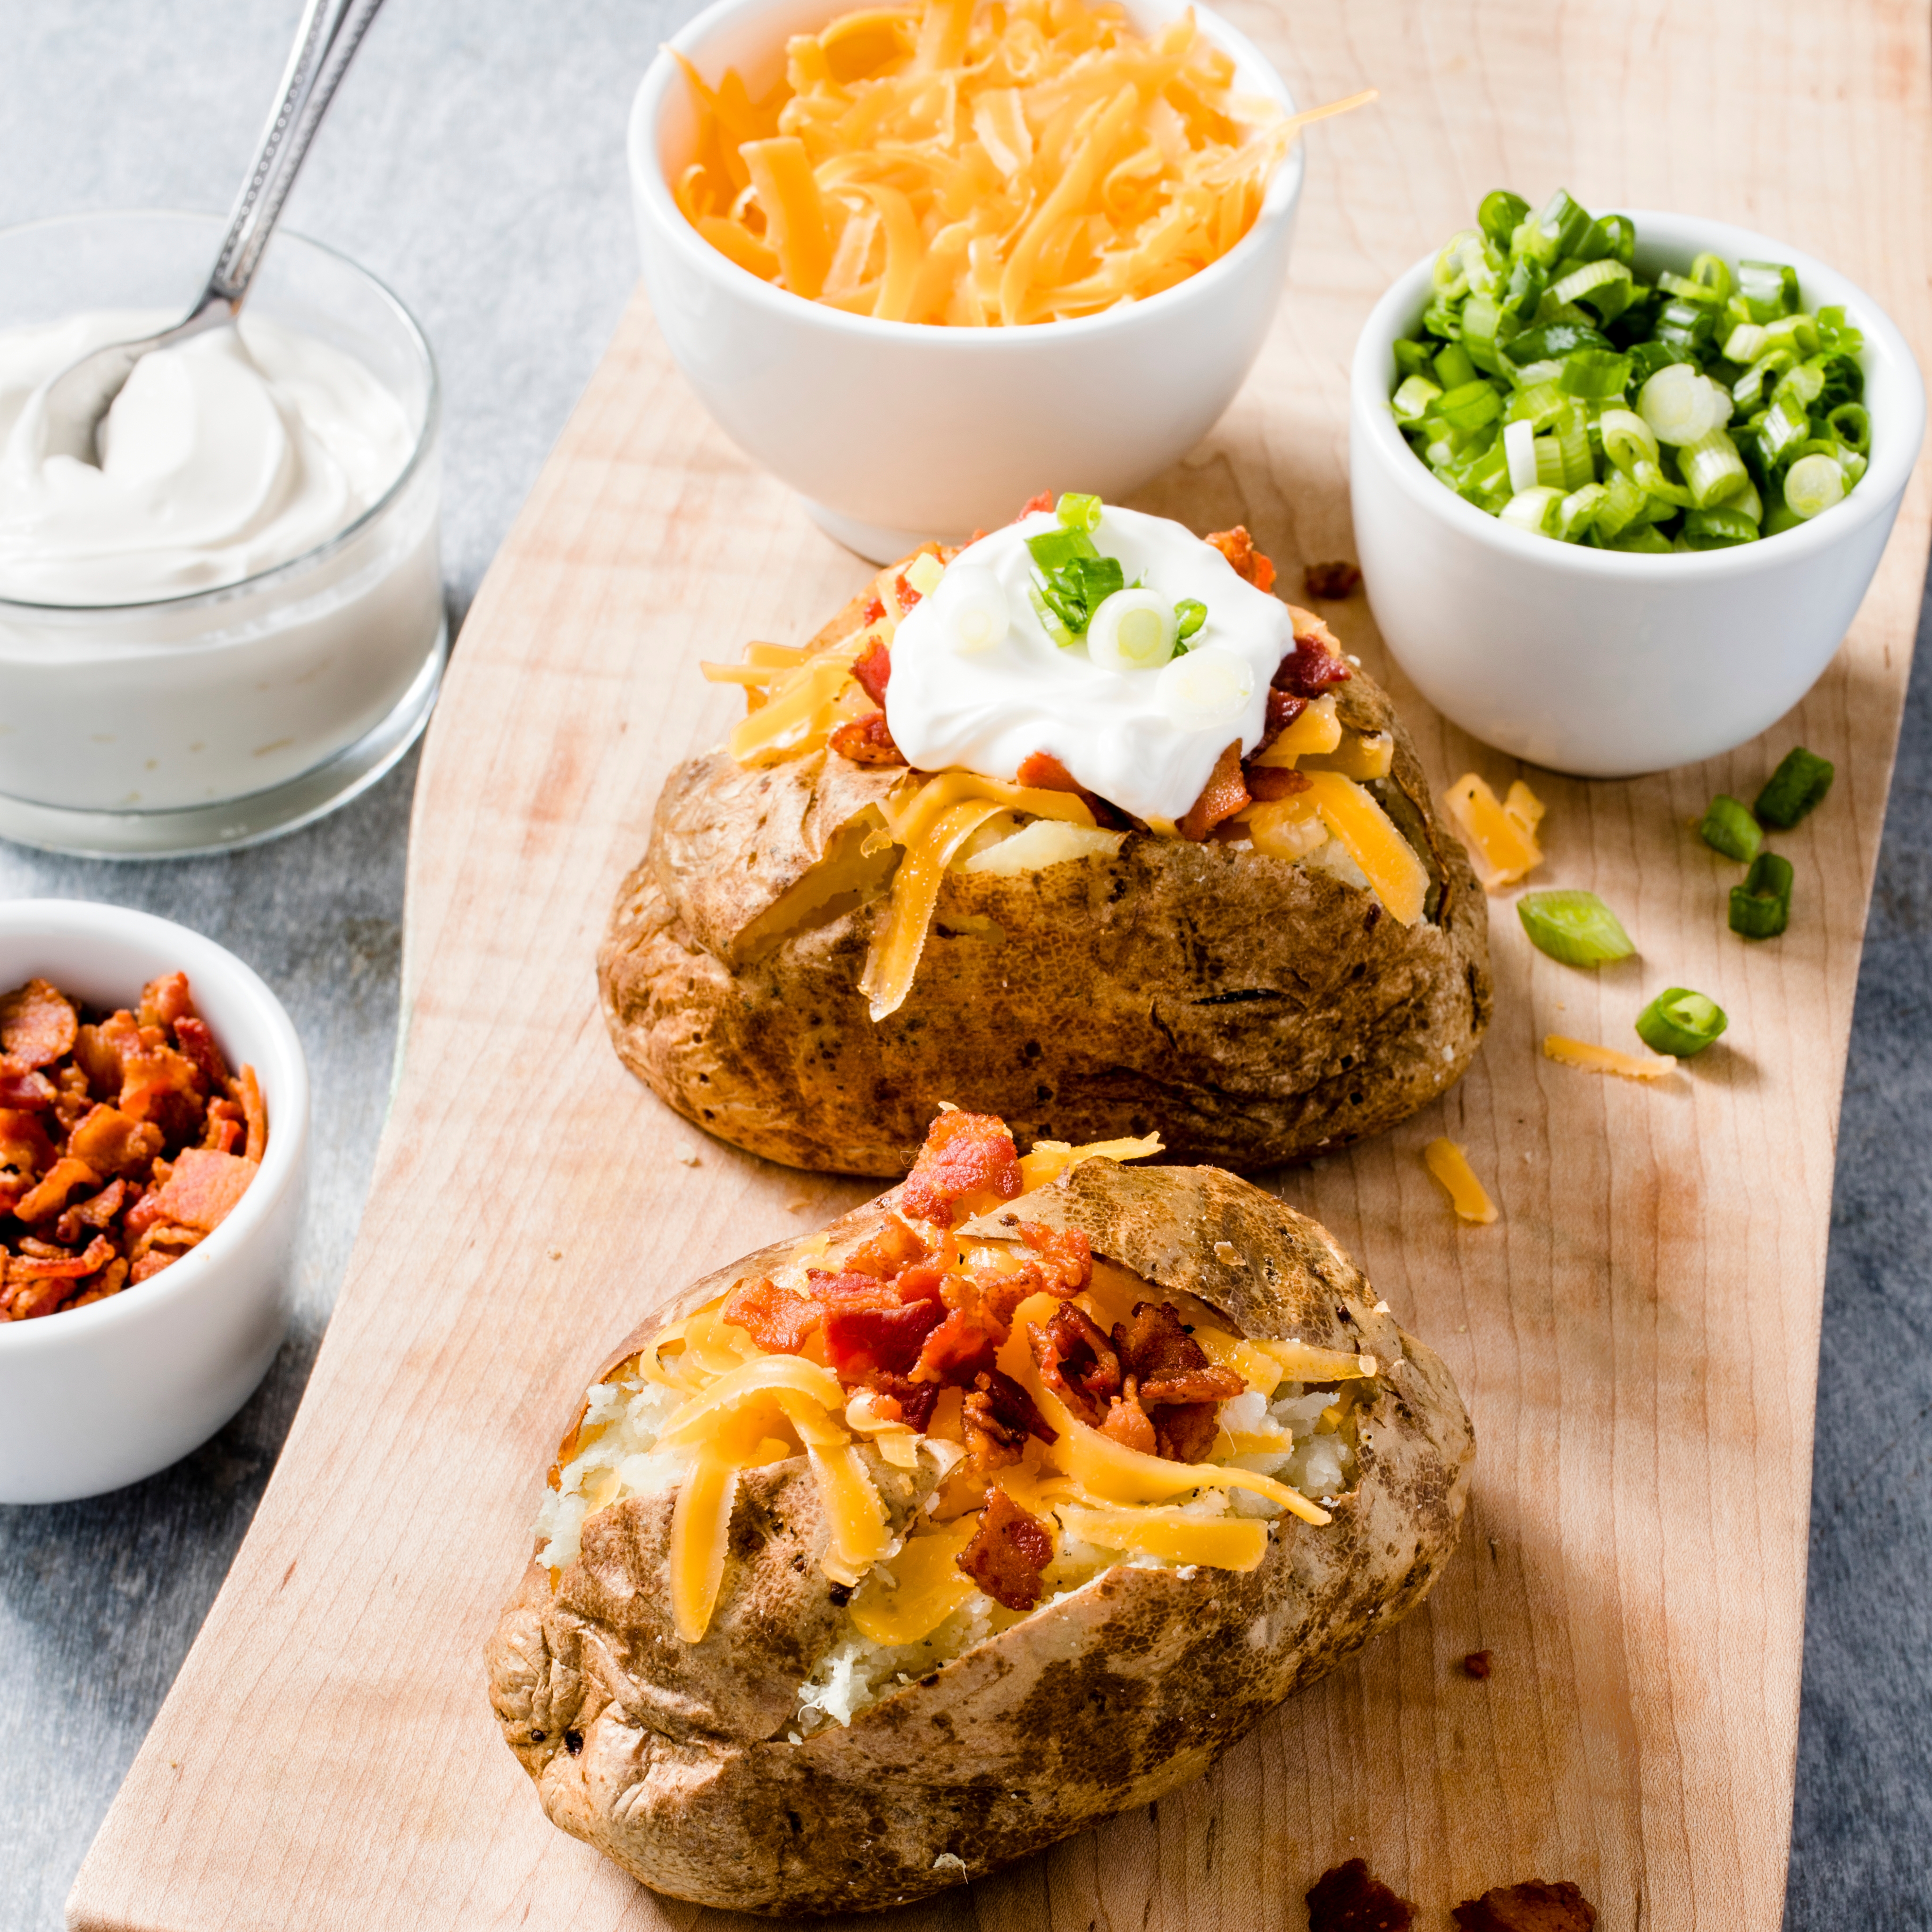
x=236, y=622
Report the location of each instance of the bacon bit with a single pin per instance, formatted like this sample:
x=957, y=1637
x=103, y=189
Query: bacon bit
x=1042, y=772
x=94, y=1212
x=1127, y=1424
x=895, y=1246
x=899, y=1398
x=860, y=1341
x=54, y=1262
x=22, y=1087
x=37, y=1024
x=1330, y=582
x=166, y=1002
x=1531, y=1907
x=150, y=1263
x=1476, y=1663
x=1165, y=1370
x=1077, y=1362
x=1221, y=797
x=202, y=1191
x=197, y=1044
x=905, y=592
x=779, y=1321
x=844, y=1290
x=1008, y=1552
x=1315, y=662
x=159, y=1085
x=965, y=1154
x=962, y=1346
x=997, y=1416
x=867, y=740
x=1066, y=1256
x=50, y=1196
x=1267, y=782
x=1238, y=547
x=255, y=1112
x=875, y=609
x=110, y=1142
x=1348, y=1899
x=873, y=669
x=1033, y=506
x=224, y=1132
x=1284, y=708
x=24, y=1144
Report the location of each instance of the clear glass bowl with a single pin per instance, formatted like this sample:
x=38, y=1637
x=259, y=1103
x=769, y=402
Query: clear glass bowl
x=195, y=723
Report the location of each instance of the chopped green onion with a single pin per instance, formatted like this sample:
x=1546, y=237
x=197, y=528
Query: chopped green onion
x=1728, y=828
x=1683, y=286
x=1795, y=789
x=1519, y=451
x=1628, y=440
x=1412, y=359
x=1453, y=368
x=1413, y=398
x=1681, y=1023
x=1575, y=928
x=1851, y=426
x=1813, y=484
x=1646, y=539
x=1190, y=614
x=1078, y=513
x=1539, y=405
x=1713, y=472
x=1579, y=510
x=1718, y=528
x=1605, y=284
x=1623, y=506
x=1761, y=907
x=1470, y=405
x=1768, y=289
x=1553, y=340
x=1744, y=344
x=1534, y=510
x=1595, y=374
x=1680, y=406
x=1502, y=214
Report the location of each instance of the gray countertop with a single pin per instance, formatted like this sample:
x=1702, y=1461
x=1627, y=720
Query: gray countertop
x=482, y=177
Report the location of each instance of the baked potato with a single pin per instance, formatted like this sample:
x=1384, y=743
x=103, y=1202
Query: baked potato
x=1234, y=975
x=908, y=1548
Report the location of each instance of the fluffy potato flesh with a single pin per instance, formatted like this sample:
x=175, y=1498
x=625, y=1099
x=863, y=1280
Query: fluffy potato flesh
x=1253, y=996
x=688, y=1763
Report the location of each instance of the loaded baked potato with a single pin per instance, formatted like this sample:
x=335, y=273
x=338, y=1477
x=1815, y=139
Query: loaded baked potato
x=999, y=1505
x=823, y=943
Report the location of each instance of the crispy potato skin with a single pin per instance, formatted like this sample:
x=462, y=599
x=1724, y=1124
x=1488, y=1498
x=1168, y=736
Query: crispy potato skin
x=682, y=1773
x=1255, y=1011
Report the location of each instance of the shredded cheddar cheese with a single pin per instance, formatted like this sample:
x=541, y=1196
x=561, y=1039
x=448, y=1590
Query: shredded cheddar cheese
x=1450, y=1166
x=1050, y=1160
x=984, y=164
x=1501, y=835
x=1222, y=1543
x=924, y=1587
x=1387, y=859
x=1607, y=1059
x=1316, y=729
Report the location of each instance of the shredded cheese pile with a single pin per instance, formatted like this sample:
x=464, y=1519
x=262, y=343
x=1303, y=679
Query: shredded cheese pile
x=992, y=165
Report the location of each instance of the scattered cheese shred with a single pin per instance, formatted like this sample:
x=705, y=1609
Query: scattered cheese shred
x=1361, y=755
x=926, y=1586
x=1450, y=1166
x=983, y=165
x=1049, y=1160
x=1607, y=1059
x=1387, y=859
x=900, y=936
x=1222, y=1543
x=1316, y=729
x=1501, y=835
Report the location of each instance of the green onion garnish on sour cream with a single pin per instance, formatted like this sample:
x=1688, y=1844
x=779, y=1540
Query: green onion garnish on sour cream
x=1550, y=387
x=1079, y=594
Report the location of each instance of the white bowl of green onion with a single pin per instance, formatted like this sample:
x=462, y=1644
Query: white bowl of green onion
x=1620, y=483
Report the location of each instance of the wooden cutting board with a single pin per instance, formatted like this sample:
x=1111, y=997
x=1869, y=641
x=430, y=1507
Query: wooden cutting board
x=1636, y=1338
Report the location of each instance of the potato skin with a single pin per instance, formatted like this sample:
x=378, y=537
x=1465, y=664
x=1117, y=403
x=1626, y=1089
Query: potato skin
x=1122, y=1692
x=1256, y=1011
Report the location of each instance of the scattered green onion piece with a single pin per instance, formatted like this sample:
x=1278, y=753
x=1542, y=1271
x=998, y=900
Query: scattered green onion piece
x=1519, y=451
x=1078, y=513
x=1718, y=528
x=1728, y=828
x=1606, y=285
x=1813, y=484
x=1681, y=1023
x=1652, y=477
x=1744, y=344
x=1761, y=907
x=1684, y=286
x=1575, y=928
x=1551, y=341
x=1795, y=789
x=1539, y=405
x=1624, y=505
x=1190, y=614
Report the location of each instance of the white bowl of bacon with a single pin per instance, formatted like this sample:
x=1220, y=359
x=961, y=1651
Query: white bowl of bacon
x=154, y=1140
x=896, y=431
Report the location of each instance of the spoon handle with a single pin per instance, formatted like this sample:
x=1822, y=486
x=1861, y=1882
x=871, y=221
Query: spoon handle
x=325, y=44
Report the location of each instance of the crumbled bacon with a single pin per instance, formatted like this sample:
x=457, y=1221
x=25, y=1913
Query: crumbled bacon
x=1077, y=1362
x=899, y=1398
x=875, y=609
x=1040, y=771
x=873, y=669
x=1167, y=1376
x=1531, y=1907
x=1033, y=506
x=966, y=1341
x=1127, y=1424
x=1477, y=1664
x=1330, y=582
x=1238, y=547
x=997, y=1416
x=866, y=740
x=965, y=1155
x=125, y=1137
x=1314, y=662
x=37, y=1024
x=1268, y=782
x=1008, y=1552
x=779, y=1321
x=860, y=1341
x=894, y=1247
x=1221, y=797
x=1066, y=1256
x=907, y=595
x=1346, y=1898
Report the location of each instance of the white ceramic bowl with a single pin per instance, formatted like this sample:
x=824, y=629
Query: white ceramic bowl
x=1591, y=660
x=894, y=432
x=102, y=1396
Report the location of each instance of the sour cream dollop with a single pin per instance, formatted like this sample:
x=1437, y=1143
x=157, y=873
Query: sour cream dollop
x=240, y=450
x=1145, y=739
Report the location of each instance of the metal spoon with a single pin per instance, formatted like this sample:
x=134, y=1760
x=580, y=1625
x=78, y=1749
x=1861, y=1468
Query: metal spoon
x=79, y=398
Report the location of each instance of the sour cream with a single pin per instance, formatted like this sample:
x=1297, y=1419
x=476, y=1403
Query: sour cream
x=238, y=451
x=966, y=694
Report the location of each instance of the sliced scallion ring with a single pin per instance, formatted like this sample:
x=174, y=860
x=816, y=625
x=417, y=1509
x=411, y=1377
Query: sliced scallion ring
x=1681, y=1023
x=1132, y=630
x=1761, y=907
x=1077, y=512
x=1813, y=485
x=1575, y=928
x=1797, y=788
x=1728, y=827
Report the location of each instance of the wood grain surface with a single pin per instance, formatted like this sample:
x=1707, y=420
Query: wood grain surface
x=1637, y=1338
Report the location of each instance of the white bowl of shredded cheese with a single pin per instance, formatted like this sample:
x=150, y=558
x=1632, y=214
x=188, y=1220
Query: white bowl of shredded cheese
x=893, y=431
